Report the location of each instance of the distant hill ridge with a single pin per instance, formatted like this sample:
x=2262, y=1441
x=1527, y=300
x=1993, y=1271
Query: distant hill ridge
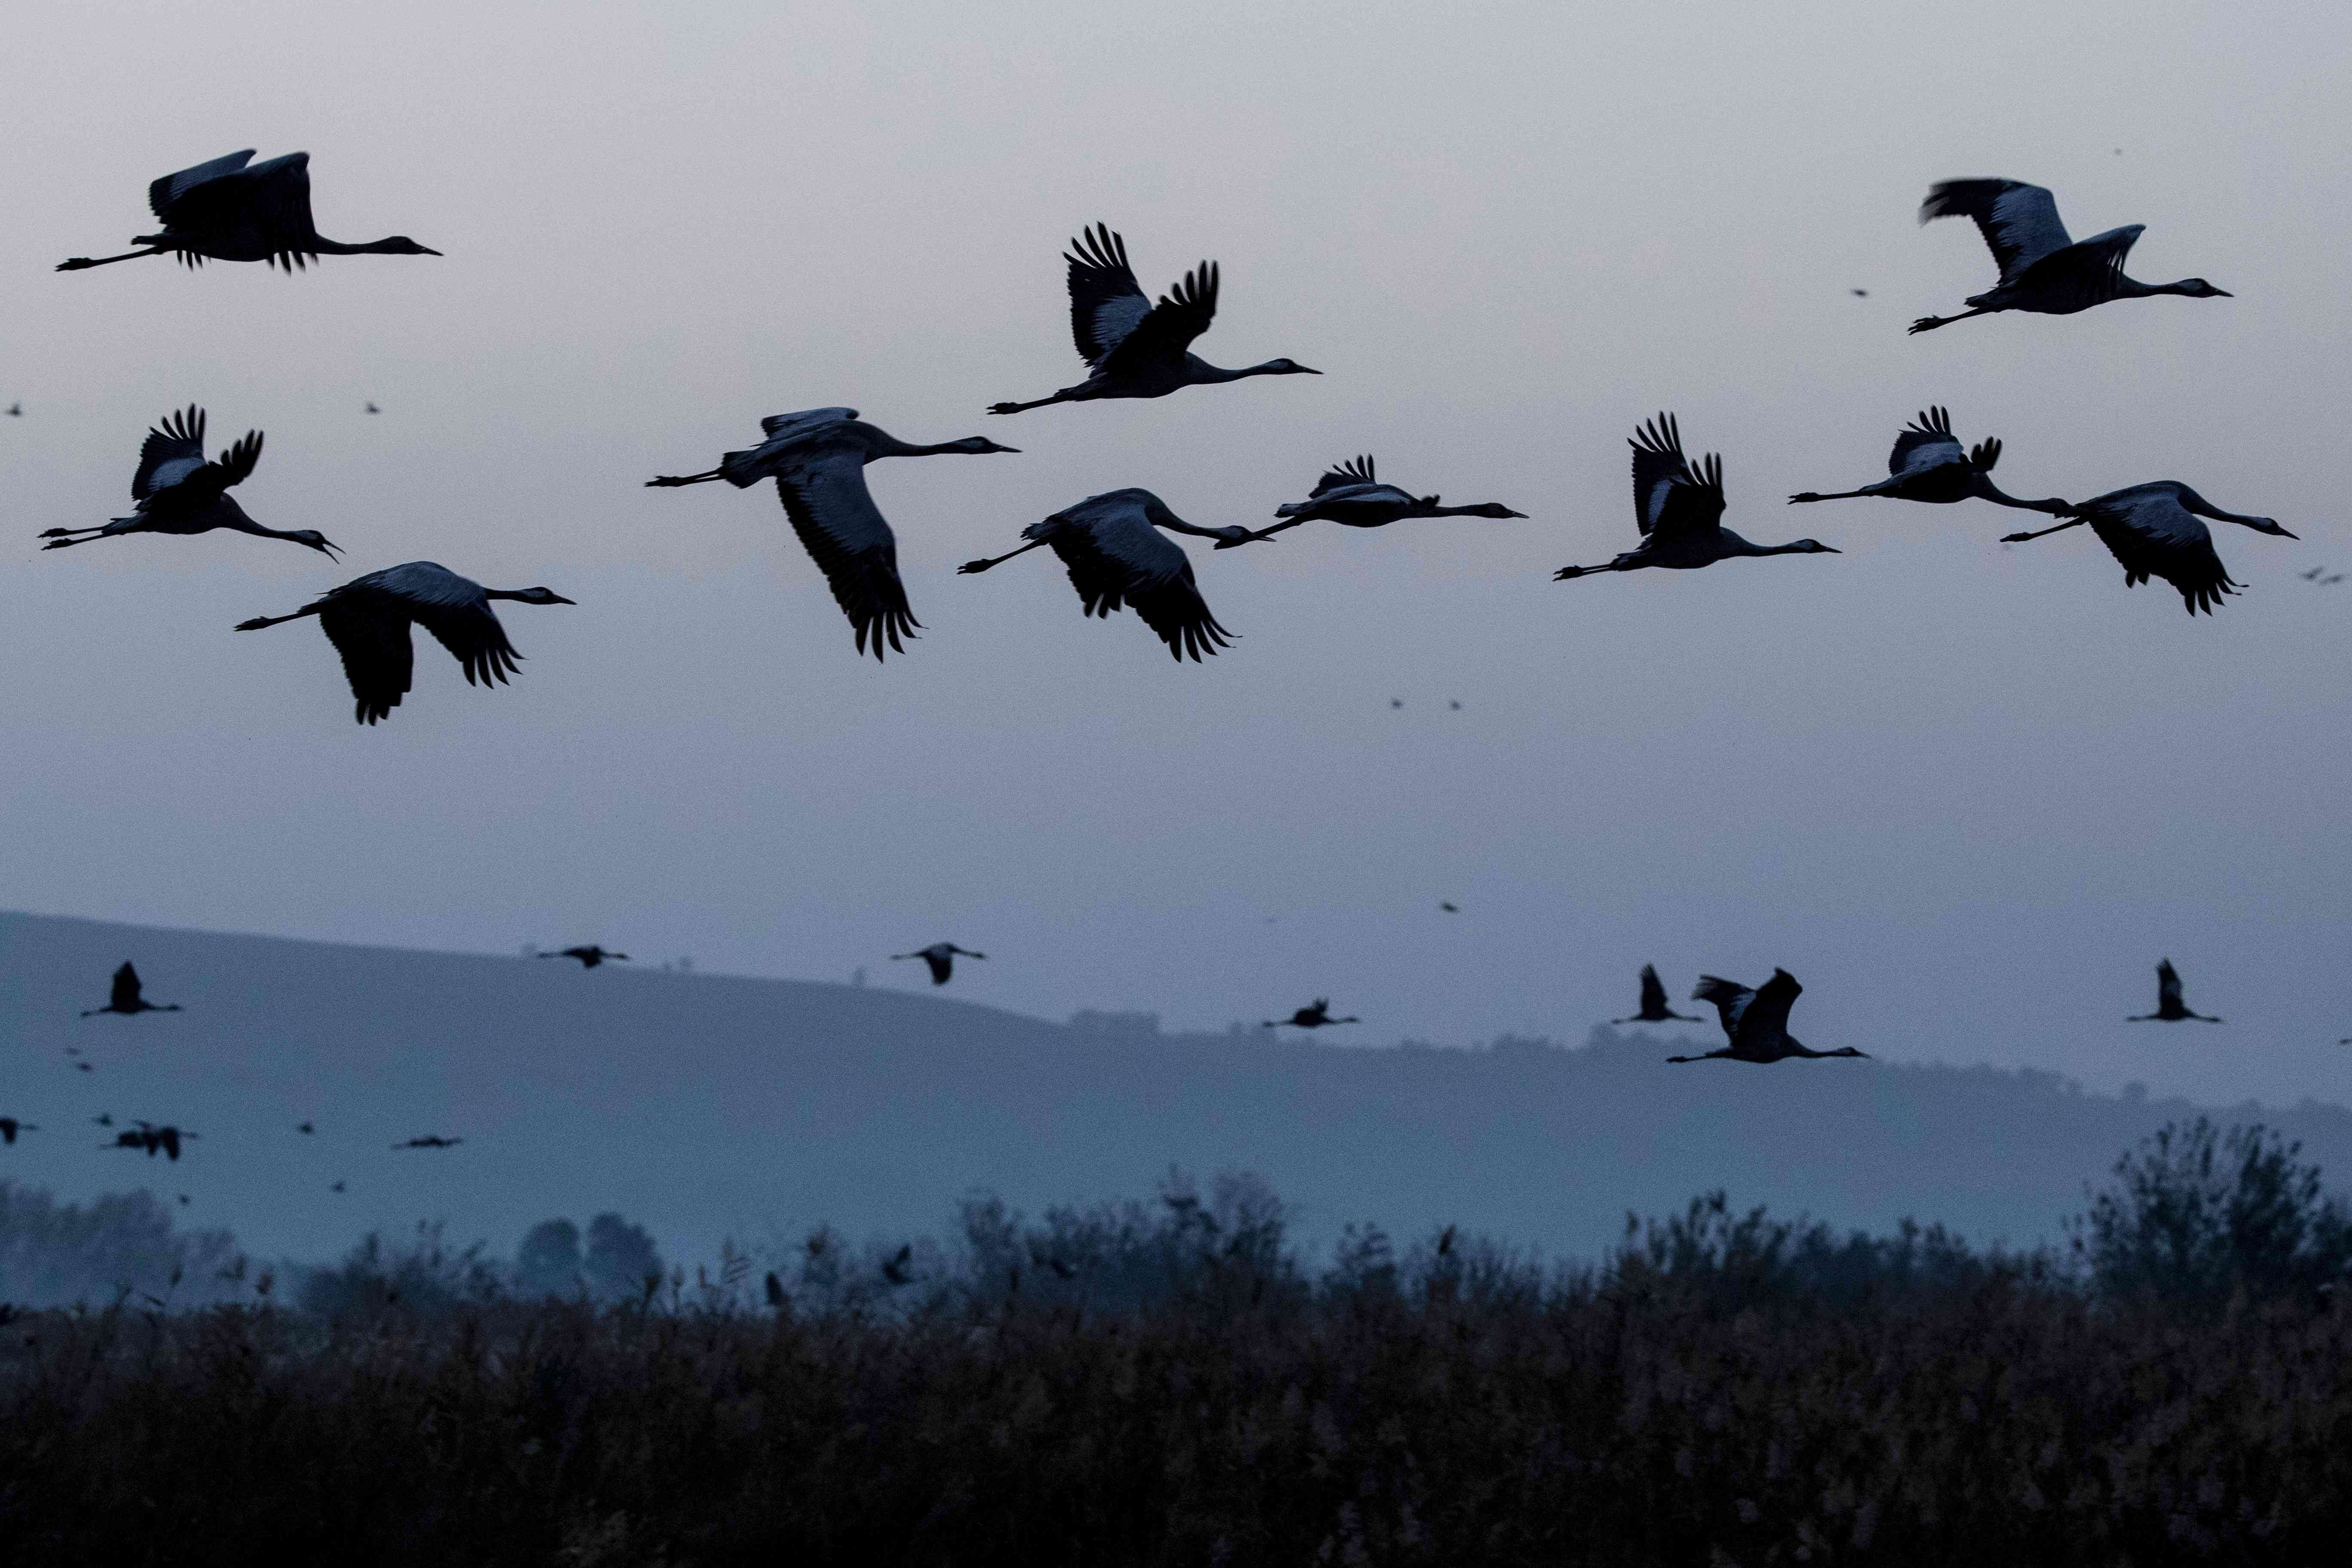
x=709, y=1105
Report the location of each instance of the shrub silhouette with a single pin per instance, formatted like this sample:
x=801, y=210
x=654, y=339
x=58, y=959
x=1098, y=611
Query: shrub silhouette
x=548, y=1261
x=622, y=1260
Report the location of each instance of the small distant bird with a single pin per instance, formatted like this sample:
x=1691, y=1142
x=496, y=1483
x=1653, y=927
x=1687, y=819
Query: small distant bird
x=430, y=1141
x=1352, y=497
x=1450, y=907
x=73, y=1050
x=589, y=956
x=371, y=408
x=1679, y=511
x=2313, y=575
x=2152, y=530
x=1756, y=1020
x=1111, y=546
x=368, y=619
x=185, y=1200
x=1859, y=293
x=104, y=1119
x=1396, y=701
x=306, y=1127
x=177, y=491
x=1927, y=465
x=2333, y=577
x=2169, y=1008
x=941, y=956
x=1654, y=1008
x=335, y=1186
x=233, y=209
x=2042, y=270
x=817, y=457
x=1315, y=1017
x=10, y=1127
x=896, y=1270
x=148, y=1138
x=1134, y=347
x=125, y=998
x=16, y=411
x=83, y=1067
x=1455, y=707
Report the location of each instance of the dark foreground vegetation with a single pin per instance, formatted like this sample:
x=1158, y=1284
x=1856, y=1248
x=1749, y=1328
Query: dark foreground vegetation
x=1167, y=1383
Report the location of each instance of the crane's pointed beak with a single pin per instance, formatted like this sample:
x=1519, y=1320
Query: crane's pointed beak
x=559, y=599
x=328, y=548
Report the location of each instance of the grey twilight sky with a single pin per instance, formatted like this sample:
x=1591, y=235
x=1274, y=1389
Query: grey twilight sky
x=1968, y=793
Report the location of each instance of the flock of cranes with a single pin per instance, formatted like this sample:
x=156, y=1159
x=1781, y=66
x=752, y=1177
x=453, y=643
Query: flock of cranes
x=1116, y=547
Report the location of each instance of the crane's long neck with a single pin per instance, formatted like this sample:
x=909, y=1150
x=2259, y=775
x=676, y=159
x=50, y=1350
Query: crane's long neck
x=1990, y=492
x=2204, y=508
x=1204, y=373
x=2133, y=288
x=390, y=246
x=236, y=518
x=892, y=447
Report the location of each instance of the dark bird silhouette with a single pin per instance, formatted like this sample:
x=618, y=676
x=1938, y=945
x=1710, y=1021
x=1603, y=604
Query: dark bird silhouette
x=371, y=408
x=1679, y=511
x=83, y=1067
x=1756, y=1020
x=124, y=997
x=1396, y=702
x=1135, y=347
x=589, y=956
x=1927, y=465
x=1449, y=906
x=185, y=1200
x=233, y=209
x=335, y=1186
x=942, y=957
x=16, y=411
x=818, y=459
x=1859, y=293
x=1112, y=548
x=2169, y=1008
x=104, y=1119
x=150, y=1139
x=1352, y=497
x=306, y=1128
x=1315, y=1017
x=2042, y=270
x=1654, y=1008
x=896, y=1270
x=2313, y=575
x=2153, y=531
x=2334, y=577
x=10, y=1127
x=1454, y=707
x=175, y=490
x=430, y=1141
x=368, y=619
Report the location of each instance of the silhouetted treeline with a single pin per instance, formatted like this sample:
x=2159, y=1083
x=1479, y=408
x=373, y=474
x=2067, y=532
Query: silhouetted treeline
x=119, y=1246
x=1167, y=1382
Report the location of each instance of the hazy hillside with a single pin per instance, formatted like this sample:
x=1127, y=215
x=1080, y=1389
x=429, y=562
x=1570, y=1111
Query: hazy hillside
x=705, y=1106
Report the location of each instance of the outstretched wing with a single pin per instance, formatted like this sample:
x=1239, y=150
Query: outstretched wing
x=2168, y=986
x=1653, y=990
x=165, y=195
x=1926, y=442
x=2019, y=222
x=1106, y=302
x=124, y=996
x=1117, y=559
x=1669, y=496
x=805, y=421
x=1766, y=1016
x=845, y=533
x=370, y=630
x=1358, y=471
x=2098, y=261
x=276, y=197
x=1183, y=314
x=2151, y=534
x=1731, y=1000
x=941, y=964
x=172, y=450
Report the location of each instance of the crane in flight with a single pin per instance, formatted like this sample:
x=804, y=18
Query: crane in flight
x=175, y=490
x=2169, y=1008
x=1927, y=465
x=1679, y=510
x=1133, y=347
x=124, y=997
x=430, y=1141
x=1654, y=1008
x=1317, y=1016
x=2042, y=270
x=817, y=457
x=233, y=209
x=368, y=619
x=1756, y=1020
x=150, y=1139
x=10, y=1127
x=1111, y=547
x=1353, y=496
x=941, y=956
x=2153, y=531
x=590, y=956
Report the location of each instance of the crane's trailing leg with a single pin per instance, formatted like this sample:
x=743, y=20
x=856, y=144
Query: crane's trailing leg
x=1930, y=323
x=664, y=480
x=1061, y=397
x=78, y=262
x=258, y=622
x=2040, y=533
x=1816, y=495
x=970, y=567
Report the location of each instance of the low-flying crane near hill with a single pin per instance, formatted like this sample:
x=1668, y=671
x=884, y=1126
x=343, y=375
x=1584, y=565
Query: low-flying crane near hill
x=1654, y=1008
x=124, y=996
x=1353, y=496
x=1679, y=510
x=1116, y=556
x=177, y=491
x=941, y=956
x=2169, y=1008
x=1135, y=347
x=368, y=619
x=1756, y=1020
x=1927, y=465
x=2153, y=531
x=233, y=209
x=1318, y=1016
x=590, y=956
x=817, y=457
x=2042, y=270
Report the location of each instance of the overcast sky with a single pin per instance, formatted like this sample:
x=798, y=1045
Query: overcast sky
x=1968, y=793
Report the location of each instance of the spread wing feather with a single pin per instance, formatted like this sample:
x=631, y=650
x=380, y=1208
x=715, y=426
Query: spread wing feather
x=2020, y=221
x=1106, y=302
x=1926, y=443
x=165, y=195
x=1164, y=334
x=370, y=630
x=1356, y=472
x=1669, y=496
x=1731, y=1000
x=845, y=535
x=1123, y=561
x=172, y=450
